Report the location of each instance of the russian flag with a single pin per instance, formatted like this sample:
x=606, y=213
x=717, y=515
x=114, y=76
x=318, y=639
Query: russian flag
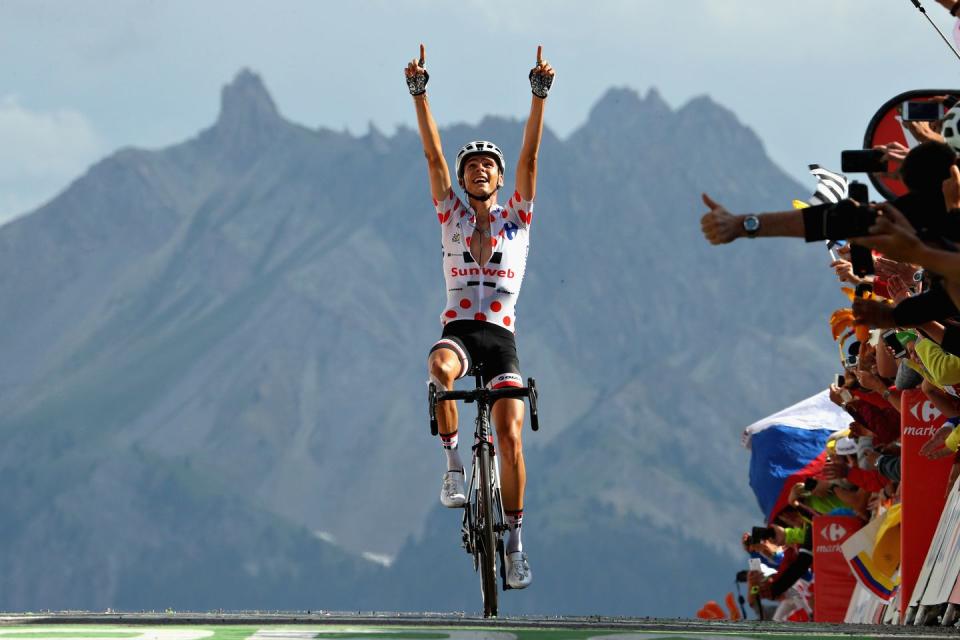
x=790, y=446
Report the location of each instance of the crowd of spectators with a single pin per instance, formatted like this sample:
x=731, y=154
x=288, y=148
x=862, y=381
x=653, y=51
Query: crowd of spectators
x=901, y=332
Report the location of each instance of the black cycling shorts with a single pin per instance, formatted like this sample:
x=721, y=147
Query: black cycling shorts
x=491, y=347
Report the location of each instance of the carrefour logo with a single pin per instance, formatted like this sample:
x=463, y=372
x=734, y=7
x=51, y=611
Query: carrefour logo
x=925, y=411
x=833, y=532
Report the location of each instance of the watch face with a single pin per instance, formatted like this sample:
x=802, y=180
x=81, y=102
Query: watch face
x=751, y=223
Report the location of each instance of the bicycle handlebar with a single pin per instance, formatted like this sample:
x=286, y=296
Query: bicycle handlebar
x=489, y=396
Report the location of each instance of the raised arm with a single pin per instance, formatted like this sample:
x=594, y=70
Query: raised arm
x=417, y=78
x=719, y=226
x=541, y=79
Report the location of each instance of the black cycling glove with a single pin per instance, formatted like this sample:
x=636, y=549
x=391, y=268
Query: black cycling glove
x=540, y=84
x=417, y=83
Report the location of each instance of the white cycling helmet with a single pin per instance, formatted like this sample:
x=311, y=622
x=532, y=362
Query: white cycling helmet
x=477, y=147
x=950, y=128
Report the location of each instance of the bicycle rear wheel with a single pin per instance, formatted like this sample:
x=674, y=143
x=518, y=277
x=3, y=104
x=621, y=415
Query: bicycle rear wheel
x=487, y=544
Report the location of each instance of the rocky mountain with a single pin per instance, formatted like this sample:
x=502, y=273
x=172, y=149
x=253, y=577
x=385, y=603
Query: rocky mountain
x=213, y=389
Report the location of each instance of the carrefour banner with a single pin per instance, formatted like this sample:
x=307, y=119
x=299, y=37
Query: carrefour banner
x=923, y=489
x=835, y=583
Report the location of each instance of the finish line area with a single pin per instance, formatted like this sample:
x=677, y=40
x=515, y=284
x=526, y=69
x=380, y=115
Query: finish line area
x=340, y=626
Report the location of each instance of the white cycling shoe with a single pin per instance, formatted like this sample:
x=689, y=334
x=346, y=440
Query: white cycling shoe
x=519, y=575
x=452, y=492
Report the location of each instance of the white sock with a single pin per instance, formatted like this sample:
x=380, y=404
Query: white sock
x=514, y=524
x=449, y=442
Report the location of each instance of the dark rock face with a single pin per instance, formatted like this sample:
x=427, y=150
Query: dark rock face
x=214, y=362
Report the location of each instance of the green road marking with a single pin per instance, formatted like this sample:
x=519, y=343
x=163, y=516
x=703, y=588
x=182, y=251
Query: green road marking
x=231, y=633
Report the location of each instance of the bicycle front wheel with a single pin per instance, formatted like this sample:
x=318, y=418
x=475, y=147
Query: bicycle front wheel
x=487, y=547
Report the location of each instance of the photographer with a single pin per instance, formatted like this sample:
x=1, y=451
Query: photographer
x=797, y=536
x=875, y=408
x=843, y=465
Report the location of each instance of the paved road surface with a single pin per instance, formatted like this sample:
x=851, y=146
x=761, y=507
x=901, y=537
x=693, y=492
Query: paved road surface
x=69, y=625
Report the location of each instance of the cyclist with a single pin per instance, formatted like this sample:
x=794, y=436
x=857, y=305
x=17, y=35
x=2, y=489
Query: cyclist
x=484, y=257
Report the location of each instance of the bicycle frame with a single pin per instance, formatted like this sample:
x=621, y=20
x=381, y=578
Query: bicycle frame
x=483, y=437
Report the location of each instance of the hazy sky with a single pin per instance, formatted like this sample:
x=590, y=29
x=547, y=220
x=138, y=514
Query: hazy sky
x=83, y=78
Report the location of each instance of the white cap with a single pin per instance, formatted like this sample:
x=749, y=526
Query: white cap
x=846, y=447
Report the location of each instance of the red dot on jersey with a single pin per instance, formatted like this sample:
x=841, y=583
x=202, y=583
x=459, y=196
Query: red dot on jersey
x=506, y=321
x=495, y=306
x=465, y=303
x=480, y=316
x=451, y=314
x=504, y=214
x=516, y=196
x=491, y=217
x=493, y=242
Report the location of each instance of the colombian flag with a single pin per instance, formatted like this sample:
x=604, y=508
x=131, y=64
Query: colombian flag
x=873, y=554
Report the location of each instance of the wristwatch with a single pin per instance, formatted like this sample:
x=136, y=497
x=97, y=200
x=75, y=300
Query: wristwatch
x=751, y=225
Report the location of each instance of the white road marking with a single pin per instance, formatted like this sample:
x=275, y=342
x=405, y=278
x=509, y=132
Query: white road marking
x=108, y=633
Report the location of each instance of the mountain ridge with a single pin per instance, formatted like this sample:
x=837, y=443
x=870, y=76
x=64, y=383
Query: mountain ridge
x=257, y=308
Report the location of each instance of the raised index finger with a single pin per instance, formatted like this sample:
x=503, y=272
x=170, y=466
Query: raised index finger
x=539, y=54
x=423, y=55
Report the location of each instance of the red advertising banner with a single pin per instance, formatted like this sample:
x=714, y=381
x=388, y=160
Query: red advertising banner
x=835, y=581
x=923, y=486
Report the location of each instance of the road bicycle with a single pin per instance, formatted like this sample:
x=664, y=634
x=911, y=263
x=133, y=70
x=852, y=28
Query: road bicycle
x=483, y=519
